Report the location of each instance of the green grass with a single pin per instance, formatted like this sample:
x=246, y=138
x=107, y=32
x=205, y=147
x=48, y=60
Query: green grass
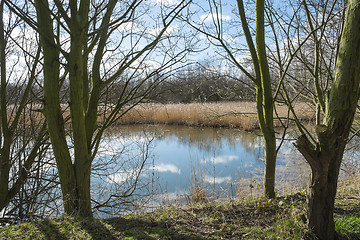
x=252, y=218
x=236, y=220
x=348, y=225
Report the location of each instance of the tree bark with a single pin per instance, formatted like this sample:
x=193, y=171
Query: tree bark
x=270, y=165
x=82, y=159
x=52, y=108
x=267, y=103
x=321, y=201
x=264, y=98
x=5, y=138
x=326, y=154
x=325, y=166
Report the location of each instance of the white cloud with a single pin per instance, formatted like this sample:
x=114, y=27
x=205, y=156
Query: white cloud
x=166, y=168
x=211, y=16
x=168, y=31
x=221, y=159
x=230, y=39
x=218, y=180
x=129, y=27
x=148, y=64
x=119, y=177
x=166, y=2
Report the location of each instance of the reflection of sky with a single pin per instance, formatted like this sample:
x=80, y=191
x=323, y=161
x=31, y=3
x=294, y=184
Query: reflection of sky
x=221, y=159
x=216, y=156
x=216, y=164
x=217, y=180
x=166, y=168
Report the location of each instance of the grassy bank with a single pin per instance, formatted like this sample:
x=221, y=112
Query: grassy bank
x=222, y=114
x=249, y=218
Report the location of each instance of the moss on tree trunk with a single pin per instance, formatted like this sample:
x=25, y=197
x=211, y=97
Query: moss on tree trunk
x=326, y=154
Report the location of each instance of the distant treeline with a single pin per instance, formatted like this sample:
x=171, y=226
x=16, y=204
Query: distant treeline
x=201, y=84
x=193, y=84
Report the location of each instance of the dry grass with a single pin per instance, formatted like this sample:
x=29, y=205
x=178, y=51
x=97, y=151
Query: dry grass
x=223, y=114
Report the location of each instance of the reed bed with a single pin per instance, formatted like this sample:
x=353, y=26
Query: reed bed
x=221, y=114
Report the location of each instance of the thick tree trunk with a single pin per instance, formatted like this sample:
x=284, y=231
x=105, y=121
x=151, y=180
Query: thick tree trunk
x=322, y=191
x=321, y=200
x=76, y=191
x=325, y=155
x=325, y=167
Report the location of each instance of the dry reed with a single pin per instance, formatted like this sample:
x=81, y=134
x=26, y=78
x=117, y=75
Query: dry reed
x=222, y=114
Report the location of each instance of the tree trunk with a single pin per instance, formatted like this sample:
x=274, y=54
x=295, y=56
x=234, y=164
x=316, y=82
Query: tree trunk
x=321, y=199
x=5, y=137
x=322, y=191
x=83, y=190
x=324, y=160
x=270, y=165
x=325, y=155
x=74, y=177
x=265, y=103
x=4, y=175
x=78, y=97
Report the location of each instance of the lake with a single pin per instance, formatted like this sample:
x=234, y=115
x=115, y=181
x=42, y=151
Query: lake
x=165, y=163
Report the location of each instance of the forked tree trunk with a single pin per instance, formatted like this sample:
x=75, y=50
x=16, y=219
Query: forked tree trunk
x=325, y=166
x=74, y=175
x=325, y=155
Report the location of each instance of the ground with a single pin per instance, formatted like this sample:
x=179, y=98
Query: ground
x=248, y=218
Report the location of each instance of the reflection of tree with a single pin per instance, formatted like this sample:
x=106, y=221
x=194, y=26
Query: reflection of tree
x=350, y=164
x=124, y=179
x=208, y=140
x=212, y=151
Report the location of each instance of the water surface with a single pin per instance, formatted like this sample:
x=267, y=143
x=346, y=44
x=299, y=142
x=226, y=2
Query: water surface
x=176, y=157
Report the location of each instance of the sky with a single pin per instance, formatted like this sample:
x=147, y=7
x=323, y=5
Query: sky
x=201, y=14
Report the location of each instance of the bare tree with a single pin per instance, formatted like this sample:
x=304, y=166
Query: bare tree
x=23, y=130
x=259, y=75
x=336, y=93
x=92, y=45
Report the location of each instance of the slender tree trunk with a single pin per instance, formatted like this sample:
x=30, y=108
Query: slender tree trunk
x=5, y=135
x=4, y=173
x=270, y=165
x=78, y=97
x=264, y=99
x=266, y=108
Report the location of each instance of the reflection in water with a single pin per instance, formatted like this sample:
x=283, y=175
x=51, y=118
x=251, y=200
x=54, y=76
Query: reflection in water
x=220, y=158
